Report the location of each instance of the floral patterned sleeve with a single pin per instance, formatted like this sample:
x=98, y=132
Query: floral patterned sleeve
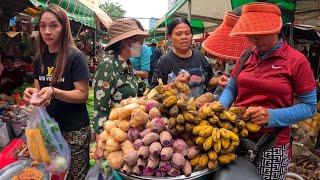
x=103, y=82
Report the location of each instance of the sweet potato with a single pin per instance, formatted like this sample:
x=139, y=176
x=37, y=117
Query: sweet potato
x=166, y=153
x=118, y=134
x=112, y=145
x=123, y=112
x=154, y=113
x=127, y=146
x=178, y=160
x=138, y=118
x=115, y=159
x=101, y=145
x=143, y=152
x=165, y=138
x=108, y=125
x=127, y=101
x=150, y=138
x=105, y=135
x=123, y=125
x=131, y=158
x=155, y=148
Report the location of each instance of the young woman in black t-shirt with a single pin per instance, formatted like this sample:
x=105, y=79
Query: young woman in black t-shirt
x=61, y=77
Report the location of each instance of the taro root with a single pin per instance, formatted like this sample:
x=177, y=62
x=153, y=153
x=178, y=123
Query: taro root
x=178, y=160
x=126, y=169
x=150, y=138
x=187, y=169
x=180, y=146
x=174, y=172
x=136, y=170
x=137, y=144
x=154, y=113
x=159, y=173
x=131, y=158
x=166, y=153
x=143, y=152
x=147, y=171
x=165, y=138
x=144, y=132
x=165, y=166
x=192, y=152
x=142, y=163
x=153, y=162
x=157, y=125
x=155, y=148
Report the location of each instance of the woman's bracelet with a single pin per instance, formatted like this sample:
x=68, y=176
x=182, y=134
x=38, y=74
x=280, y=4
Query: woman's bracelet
x=53, y=93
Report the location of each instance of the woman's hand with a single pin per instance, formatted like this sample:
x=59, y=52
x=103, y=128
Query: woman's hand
x=44, y=97
x=28, y=93
x=184, y=77
x=259, y=115
x=223, y=80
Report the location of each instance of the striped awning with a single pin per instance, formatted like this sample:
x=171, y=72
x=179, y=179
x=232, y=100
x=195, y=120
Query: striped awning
x=77, y=11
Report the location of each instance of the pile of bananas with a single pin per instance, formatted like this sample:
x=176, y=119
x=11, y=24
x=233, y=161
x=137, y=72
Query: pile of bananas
x=218, y=134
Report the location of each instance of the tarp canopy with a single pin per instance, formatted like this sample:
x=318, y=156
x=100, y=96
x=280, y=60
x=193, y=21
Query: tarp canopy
x=79, y=11
x=208, y=13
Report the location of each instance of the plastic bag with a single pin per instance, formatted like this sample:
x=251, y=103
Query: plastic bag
x=100, y=171
x=45, y=142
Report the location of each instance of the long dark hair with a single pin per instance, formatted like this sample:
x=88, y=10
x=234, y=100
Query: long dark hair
x=65, y=40
x=175, y=21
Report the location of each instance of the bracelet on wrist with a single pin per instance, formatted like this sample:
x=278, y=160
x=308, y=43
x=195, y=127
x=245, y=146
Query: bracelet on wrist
x=53, y=93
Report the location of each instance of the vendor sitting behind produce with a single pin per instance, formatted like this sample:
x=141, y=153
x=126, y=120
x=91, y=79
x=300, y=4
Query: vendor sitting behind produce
x=114, y=79
x=11, y=77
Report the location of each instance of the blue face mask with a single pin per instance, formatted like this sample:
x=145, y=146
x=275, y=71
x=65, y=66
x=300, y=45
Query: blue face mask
x=136, y=49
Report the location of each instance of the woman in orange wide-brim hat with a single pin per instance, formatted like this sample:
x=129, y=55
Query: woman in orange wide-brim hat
x=265, y=83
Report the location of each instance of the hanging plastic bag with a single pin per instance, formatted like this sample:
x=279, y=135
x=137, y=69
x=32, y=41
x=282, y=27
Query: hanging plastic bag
x=100, y=171
x=45, y=142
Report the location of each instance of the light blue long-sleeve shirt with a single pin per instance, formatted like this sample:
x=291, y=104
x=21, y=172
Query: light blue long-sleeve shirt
x=277, y=117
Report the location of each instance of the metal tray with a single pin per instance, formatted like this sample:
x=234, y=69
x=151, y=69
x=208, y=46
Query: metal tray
x=194, y=175
x=13, y=169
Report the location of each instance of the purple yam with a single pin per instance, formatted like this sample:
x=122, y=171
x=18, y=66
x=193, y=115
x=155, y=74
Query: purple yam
x=165, y=138
x=147, y=171
x=143, y=152
x=178, y=160
x=166, y=153
x=137, y=144
x=155, y=148
x=159, y=173
x=133, y=134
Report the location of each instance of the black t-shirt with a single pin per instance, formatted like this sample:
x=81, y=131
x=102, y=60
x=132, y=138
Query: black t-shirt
x=169, y=66
x=69, y=116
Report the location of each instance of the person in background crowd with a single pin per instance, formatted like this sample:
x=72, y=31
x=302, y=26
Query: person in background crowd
x=156, y=54
x=277, y=72
x=114, y=79
x=183, y=63
x=229, y=65
x=11, y=77
x=141, y=60
x=62, y=82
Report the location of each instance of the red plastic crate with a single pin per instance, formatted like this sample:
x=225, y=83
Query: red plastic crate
x=7, y=155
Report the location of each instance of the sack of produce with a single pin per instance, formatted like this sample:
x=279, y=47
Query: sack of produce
x=45, y=142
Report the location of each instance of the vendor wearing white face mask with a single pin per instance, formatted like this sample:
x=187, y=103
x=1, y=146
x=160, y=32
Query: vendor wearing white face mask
x=115, y=79
x=140, y=60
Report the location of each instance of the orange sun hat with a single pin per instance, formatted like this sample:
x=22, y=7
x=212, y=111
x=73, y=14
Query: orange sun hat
x=258, y=18
x=220, y=44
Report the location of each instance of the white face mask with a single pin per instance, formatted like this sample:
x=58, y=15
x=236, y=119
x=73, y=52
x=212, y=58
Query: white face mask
x=136, y=49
